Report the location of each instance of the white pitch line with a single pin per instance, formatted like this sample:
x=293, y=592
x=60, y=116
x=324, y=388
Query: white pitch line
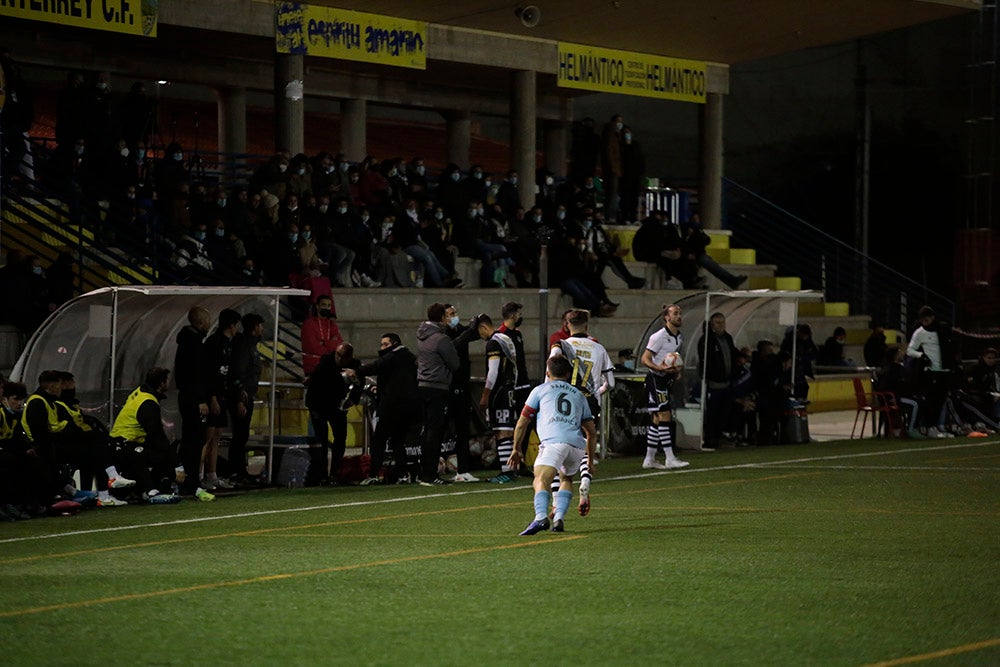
x=492, y=489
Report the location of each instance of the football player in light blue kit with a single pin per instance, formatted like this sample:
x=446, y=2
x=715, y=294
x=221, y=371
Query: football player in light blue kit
x=566, y=433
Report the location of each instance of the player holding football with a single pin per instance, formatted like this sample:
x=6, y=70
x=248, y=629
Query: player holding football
x=566, y=434
x=659, y=357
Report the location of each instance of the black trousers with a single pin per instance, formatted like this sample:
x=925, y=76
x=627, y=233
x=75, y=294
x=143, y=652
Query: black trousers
x=394, y=423
x=239, y=438
x=192, y=440
x=337, y=422
x=460, y=411
x=434, y=404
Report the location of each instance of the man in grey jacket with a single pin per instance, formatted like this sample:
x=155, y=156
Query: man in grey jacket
x=437, y=360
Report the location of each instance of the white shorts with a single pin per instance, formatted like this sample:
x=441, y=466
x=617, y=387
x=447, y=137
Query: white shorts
x=564, y=458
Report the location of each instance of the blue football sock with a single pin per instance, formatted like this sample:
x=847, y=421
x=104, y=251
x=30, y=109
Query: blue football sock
x=542, y=500
x=562, y=504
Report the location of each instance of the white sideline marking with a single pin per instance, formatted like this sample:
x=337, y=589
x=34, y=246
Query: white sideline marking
x=494, y=489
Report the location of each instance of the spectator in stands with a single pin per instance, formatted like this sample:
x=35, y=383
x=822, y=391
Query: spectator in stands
x=805, y=354
x=273, y=176
x=631, y=182
x=221, y=248
x=546, y=195
x=608, y=253
x=320, y=333
x=99, y=110
x=191, y=254
x=875, y=346
x=695, y=242
x=435, y=232
x=71, y=123
x=171, y=172
x=61, y=276
x=310, y=263
x=137, y=113
x=611, y=165
x=396, y=370
x=242, y=379
x=218, y=361
x=323, y=173
x=138, y=433
x=584, y=150
x=932, y=349
x=508, y=196
x=832, y=351
x=300, y=180
x=490, y=237
x=326, y=398
x=406, y=233
x=659, y=242
x=17, y=119
x=373, y=187
x=416, y=178
x=569, y=271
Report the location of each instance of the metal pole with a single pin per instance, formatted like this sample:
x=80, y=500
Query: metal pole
x=704, y=366
x=543, y=308
x=114, y=352
x=274, y=392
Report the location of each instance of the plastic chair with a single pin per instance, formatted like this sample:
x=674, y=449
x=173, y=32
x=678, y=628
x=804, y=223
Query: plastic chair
x=879, y=402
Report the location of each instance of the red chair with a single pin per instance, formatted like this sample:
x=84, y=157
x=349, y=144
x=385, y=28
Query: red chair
x=876, y=403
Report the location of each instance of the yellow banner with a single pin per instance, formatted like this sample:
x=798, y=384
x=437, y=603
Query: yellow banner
x=337, y=33
x=628, y=73
x=132, y=17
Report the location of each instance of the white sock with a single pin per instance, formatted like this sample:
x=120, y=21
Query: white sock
x=103, y=495
x=651, y=454
x=584, y=487
x=112, y=472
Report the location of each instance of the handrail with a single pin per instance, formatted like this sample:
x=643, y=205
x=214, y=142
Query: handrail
x=826, y=263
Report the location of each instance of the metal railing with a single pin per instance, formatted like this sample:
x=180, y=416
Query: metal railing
x=825, y=263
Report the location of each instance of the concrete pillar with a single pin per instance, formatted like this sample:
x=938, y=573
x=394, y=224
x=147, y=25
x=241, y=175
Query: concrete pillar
x=289, y=105
x=710, y=192
x=459, y=127
x=522, y=134
x=231, y=103
x=556, y=147
x=353, y=127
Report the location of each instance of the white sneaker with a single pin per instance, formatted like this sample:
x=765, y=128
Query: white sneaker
x=110, y=501
x=120, y=483
x=466, y=477
x=932, y=432
x=675, y=464
x=209, y=485
x=653, y=465
x=222, y=483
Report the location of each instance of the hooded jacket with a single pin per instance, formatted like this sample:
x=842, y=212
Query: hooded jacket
x=437, y=358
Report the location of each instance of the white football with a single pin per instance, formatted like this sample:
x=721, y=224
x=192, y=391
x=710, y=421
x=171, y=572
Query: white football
x=673, y=360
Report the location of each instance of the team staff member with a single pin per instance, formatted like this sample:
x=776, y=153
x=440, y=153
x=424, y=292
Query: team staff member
x=139, y=435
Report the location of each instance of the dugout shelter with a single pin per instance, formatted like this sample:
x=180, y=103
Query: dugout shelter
x=110, y=337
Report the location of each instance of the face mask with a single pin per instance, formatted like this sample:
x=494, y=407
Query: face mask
x=478, y=175
x=488, y=183
x=628, y=136
x=124, y=152
x=453, y=322
x=472, y=212
x=324, y=312
x=364, y=219
x=480, y=210
x=537, y=218
x=342, y=210
x=306, y=235
x=102, y=85
x=178, y=156
x=513, y=180
x=549, y=180
x=79, y=150
x=293, y=209
x=200, y=236
x=354, y=178
x=329, y=168
x=282, y=168
x=455, y=176
x=323, y=208
x=439, y=216
x=589, y=186
x=302, y=171
x=130, y=195
x=411, y=213
x=248, y=272
x=518, y=322
x=293, y=237
x=561, y=215
x=221, y=203
x=420, y=169
x=392, y=172
x=629, y=364
x=220, y=232
x=141, y=153
x=619, y=126
x=344, y=166
x=587, y=224
x=37, y=270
